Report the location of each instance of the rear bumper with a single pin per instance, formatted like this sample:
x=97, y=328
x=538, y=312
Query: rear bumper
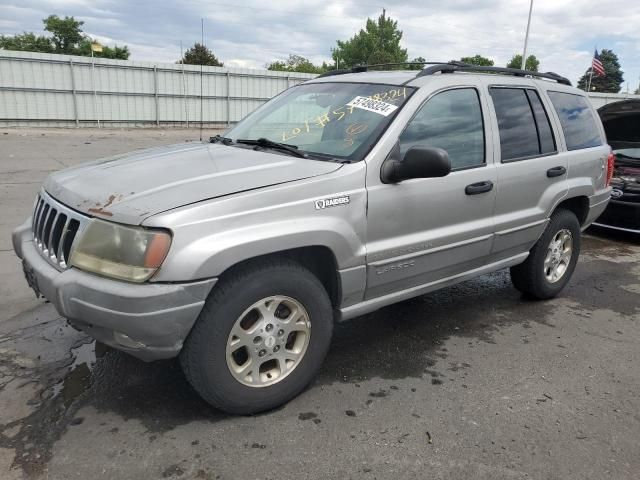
x=621, y=215
x=149, y=321
x=597, y=204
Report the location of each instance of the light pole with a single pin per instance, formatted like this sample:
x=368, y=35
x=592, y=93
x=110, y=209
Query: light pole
x=526, y=37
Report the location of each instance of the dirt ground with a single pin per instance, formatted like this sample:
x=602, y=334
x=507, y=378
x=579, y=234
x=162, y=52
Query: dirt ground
x=471, y=382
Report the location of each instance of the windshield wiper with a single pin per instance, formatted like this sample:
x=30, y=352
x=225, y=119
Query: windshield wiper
x=220, y=139
x=265, y=142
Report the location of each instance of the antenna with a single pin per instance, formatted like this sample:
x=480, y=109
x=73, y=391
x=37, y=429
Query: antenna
x=201, y=75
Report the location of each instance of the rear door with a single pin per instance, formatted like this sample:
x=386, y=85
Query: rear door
x=531, y=170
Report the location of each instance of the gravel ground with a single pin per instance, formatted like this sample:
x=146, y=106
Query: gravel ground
x=471, y=382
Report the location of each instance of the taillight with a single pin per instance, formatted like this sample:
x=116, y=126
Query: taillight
x=611, y=160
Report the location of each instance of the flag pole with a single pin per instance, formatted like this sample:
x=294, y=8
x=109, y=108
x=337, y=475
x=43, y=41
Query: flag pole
x=95, y=92
x=595, y=49
x=184, y=87
x=526, y=38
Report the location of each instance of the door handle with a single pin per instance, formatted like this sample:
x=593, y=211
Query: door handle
x=480, y=187
x=556, y=172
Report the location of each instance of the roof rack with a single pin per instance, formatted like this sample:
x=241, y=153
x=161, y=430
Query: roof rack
x=450, y=67
x=365, y=68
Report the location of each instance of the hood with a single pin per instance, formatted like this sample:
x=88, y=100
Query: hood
x=129, y=188
x=620, y=121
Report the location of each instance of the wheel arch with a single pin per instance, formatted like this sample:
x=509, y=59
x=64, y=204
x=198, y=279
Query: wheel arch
x=320, y=260
x=578, y=205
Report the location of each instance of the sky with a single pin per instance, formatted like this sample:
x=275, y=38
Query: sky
x=249, y=33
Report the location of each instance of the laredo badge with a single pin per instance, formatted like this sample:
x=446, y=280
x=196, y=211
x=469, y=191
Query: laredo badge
x=332, y=202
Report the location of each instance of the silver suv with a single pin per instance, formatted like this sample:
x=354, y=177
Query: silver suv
x=340, y=196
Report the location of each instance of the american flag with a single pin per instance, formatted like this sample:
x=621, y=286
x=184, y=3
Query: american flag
x=596, y=65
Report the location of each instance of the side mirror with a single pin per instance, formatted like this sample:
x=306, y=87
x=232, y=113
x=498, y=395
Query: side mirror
x=418, y=162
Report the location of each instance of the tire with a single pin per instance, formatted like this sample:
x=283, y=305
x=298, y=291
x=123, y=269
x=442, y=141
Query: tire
x=533, y=277
x=206, y=357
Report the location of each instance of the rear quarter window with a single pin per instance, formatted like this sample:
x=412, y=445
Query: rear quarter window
x=576, y=117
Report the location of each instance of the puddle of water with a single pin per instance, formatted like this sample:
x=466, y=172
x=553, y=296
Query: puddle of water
x=78, y=380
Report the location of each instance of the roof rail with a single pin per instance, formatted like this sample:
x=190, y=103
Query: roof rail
x=451, y=67
x=365, y=68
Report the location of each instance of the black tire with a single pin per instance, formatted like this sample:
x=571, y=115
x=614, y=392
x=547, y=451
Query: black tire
x=203, y=357
x=529, y=277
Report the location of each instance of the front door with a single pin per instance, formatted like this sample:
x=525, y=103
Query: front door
x=422, y=231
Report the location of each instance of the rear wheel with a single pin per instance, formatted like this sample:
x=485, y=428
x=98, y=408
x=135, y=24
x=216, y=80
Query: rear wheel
x=260, y=338
x=552, y=260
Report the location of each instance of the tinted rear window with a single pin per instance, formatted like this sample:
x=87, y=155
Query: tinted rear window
x=518, y=133
x=576, y=117
x=545, y=134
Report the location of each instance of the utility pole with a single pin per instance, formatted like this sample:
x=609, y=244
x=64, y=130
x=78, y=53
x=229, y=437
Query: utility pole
x=526, y=37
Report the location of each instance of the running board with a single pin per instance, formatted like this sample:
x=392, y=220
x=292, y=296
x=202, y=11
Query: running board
x=374, y=304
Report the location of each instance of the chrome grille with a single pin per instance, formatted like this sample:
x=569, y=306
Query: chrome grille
x=55, y=227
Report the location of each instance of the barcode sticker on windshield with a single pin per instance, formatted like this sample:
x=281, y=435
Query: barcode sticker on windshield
x=375, y=106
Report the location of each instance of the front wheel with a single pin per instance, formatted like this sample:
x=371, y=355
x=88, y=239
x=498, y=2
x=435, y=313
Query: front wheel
x=260, y=338
x=552, y=260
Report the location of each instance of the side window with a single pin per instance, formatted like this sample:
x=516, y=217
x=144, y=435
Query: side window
x=451, y=120
x=545, y=133
x=578, y=124
x=516, y=124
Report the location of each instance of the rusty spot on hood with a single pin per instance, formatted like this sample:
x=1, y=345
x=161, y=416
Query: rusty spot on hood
x=109, y=201
x=100, y=211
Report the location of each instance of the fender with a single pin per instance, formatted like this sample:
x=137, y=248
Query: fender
x=210, y=237
x=218, y=252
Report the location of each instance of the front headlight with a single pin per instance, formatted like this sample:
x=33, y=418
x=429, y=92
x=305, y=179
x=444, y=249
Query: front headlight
x=126, y=253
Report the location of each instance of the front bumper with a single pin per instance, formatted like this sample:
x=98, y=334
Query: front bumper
x=149, y=321
x=621, y=215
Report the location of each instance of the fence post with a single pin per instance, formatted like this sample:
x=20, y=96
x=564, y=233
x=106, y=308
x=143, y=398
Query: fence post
x=155, y=93
x=73, y=93
x=228, y=100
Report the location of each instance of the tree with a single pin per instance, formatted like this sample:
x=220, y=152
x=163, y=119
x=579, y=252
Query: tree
x=532, y=64
x=26, y=42
x=66, y=38
x=478, y=60
x=378, y=42
x=200, y=55
x=66, y=33
x=297, y=63
x=419, y=61
x=612, y=80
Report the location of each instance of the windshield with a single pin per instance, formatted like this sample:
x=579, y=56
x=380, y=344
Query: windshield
x=339, y=120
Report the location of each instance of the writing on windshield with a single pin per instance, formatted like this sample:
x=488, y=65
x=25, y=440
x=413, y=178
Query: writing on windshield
x=342, y=113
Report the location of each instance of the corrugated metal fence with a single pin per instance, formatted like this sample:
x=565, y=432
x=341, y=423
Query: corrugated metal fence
x=38, y=89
